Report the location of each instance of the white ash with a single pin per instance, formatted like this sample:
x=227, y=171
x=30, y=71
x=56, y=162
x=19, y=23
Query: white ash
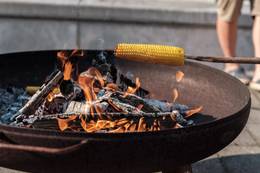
x=11, y=100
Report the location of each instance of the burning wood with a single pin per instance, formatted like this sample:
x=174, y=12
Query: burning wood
x=98, y=101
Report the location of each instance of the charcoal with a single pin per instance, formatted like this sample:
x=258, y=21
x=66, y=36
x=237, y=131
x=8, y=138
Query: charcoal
x=71, y=91
x=101, y=93
x=37, y=99
x=105, y=64
x=125, y=83
x=57, y=105
x=134, y=100
x=166, y=106
x=11, y=100
x=50, y=124
x=66, y=87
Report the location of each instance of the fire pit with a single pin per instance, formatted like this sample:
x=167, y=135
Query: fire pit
x=225, y=101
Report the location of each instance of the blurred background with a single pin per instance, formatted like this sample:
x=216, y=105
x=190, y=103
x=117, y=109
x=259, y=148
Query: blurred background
x=101, y=24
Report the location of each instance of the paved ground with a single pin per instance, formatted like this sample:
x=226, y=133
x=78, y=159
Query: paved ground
x=243, y=155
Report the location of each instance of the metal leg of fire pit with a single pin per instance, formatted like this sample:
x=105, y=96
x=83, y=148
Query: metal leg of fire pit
x=181, y=169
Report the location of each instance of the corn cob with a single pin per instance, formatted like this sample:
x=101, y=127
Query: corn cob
x=151, y=53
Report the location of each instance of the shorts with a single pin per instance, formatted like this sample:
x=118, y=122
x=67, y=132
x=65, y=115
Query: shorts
x=229, y=10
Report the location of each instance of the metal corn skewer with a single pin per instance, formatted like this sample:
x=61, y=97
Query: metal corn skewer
x=170, y=55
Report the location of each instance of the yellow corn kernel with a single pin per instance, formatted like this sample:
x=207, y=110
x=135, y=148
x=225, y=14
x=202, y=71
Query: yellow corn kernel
x=151, y=53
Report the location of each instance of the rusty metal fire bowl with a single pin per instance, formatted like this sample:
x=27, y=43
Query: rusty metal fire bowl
x=226, y=106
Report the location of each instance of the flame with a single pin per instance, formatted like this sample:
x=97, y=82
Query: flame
x=179, y=76
x=86, y=81
x=99, y=111
x=111, y=87
x=67, y=70
x=87, y=127
x=120, y=125
x=91, y=82
x=193, y=111
x=77, y=52
x=175, y=94
x=132, y=127
x=64, y=123
x=177, y=126
x=62, y=56
x=102, y=124
x=127, y=125
x=118, y=130
x=141, y=125
x=98, y=76
x=121, y=122
x=52, y=94
x=131, y=90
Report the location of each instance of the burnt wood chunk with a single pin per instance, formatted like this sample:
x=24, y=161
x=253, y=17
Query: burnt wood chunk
x=35, y=101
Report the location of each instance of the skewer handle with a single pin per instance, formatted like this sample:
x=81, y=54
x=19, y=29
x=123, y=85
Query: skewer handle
x=240, y=60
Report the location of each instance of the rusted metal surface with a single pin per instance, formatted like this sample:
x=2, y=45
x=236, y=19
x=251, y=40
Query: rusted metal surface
x=225, y=100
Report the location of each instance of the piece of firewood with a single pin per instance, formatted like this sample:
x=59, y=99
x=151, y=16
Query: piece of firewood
x=31, y=106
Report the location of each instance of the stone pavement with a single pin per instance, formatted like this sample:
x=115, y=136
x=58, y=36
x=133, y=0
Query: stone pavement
x=243, y=154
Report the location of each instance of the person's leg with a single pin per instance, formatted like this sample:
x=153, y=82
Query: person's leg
x=228, y=12
x=227, y=35
x=256, y=42
x=255, y=6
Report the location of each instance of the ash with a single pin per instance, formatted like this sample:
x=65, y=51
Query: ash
x=11, y=100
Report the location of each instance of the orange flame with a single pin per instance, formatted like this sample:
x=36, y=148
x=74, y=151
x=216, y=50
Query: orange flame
x=91, y=82
x=175, y=94
x=62, y=56
x=67, y=70
x=66, y=64
x=131, y=90
x=111, y=87
x=77, y=52
x=179, y=76
x=64, y=123
x=141, y=125
x=86, y=81
x=193, y=111
x=52, y=94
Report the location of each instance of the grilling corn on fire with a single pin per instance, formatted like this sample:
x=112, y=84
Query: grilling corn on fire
x=151, y=53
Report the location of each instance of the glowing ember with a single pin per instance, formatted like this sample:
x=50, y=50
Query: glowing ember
x=64, y=123
x=131, y=90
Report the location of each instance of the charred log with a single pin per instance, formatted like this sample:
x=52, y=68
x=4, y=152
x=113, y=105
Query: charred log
x=32, y=105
